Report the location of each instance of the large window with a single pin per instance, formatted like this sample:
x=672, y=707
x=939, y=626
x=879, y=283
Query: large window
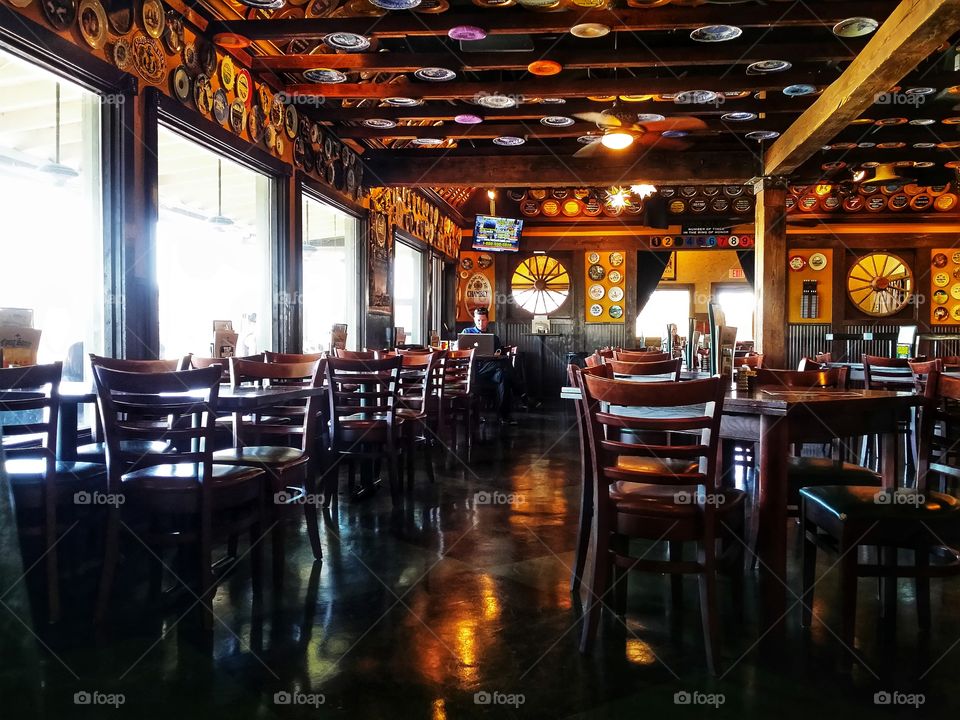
x=213, y=249
x=408, y=286
x=50, y=193
x=738, y=306
x=329, y=274
x=666, y=306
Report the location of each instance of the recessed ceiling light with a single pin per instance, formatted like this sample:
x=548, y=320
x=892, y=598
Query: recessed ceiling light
x=716, y=33
x=855, y=27
x=617, y=139
x=762, y=135
x=590, y=30
x=556, y=121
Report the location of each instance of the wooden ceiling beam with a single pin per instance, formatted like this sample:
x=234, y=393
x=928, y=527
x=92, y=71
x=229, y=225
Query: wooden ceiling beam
x=521, y=21
x=532, y=130
x=551, y=171
x=774, y=105
x=554, y=87
x=606, y=58
x=909, y=35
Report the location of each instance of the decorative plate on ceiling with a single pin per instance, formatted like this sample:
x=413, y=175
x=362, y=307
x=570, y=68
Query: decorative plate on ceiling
x=880, y=284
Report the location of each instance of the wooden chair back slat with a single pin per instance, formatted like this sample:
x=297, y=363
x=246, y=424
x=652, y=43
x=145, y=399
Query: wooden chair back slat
x=279, y=357
x=640, y=356
x=659, y=367
x=142, y=366
x=354, y=354
x=30, y=406
x=882, y=373
x=362, y=387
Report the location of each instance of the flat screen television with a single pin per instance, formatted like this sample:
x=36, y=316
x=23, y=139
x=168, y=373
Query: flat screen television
x=497, y=234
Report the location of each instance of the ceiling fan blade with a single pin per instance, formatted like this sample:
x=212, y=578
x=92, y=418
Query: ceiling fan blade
x=685, y=124
x=602, y=120
x=594, y=149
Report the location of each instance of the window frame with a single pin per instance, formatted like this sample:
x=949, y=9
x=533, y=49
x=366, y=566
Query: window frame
x=424, y=249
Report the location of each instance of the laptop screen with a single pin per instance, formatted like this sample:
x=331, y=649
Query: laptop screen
x=482, y=341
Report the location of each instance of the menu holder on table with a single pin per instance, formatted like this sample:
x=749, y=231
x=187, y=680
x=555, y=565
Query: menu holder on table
x=19, y=345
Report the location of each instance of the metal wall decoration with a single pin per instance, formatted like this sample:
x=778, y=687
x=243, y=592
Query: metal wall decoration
x=416, y=215
x=869, y=198
x=379, y=258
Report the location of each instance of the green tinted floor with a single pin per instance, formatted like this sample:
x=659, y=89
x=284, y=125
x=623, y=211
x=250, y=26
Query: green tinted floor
x=457, y=605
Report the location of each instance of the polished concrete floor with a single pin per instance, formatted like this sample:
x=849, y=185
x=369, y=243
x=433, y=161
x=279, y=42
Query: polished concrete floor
x=457, y=605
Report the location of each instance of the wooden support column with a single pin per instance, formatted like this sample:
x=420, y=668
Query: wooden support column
x=770, y=265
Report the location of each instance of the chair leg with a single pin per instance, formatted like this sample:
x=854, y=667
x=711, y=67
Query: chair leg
x=922, y=587
x=583, y=534
x=256, y=559
x=205, y=576
x=601, y=575
x=428, y=454
x=708, y=604
x=277, y=545
x=889, y=584
x=310, y=512
x=110, y=556
x=848, y=594
x=676, y=579
x=809, y=548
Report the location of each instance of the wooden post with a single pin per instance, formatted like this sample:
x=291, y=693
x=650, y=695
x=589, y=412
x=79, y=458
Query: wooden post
x=770, y=265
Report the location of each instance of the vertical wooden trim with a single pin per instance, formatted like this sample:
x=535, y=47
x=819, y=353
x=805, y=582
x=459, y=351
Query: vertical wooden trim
x=287, y=264
x=141, y=329
x=771, y=272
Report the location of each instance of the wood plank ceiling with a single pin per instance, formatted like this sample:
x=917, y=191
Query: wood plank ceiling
x=643, y=65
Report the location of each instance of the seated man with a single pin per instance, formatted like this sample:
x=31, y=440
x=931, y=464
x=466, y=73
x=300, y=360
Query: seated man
x=495, y=372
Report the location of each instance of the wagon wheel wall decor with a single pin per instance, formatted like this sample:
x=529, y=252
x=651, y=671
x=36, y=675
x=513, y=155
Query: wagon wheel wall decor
x=880, y=284
x=540, y=284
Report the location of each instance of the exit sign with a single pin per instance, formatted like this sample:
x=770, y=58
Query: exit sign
x=737, y=274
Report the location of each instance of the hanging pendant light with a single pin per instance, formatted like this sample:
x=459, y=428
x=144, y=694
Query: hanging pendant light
x=219, y=218
x=56, y=168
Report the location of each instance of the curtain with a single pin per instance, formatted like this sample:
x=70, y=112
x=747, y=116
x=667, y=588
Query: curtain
x=650, y=267
x=746, y=258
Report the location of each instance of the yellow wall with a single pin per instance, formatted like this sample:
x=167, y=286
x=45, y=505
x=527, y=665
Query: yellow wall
x=701, y=268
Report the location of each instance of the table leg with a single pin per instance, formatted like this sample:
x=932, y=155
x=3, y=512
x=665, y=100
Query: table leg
x=67, y=431
x=772, y=525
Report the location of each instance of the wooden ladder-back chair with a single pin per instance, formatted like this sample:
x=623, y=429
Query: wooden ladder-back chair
x=179, y=497
x=659, y=492
x=281, y=443
x=46, y=492
x=416, y=400
x=920, y=519
x=883, y=373
x=362, y=395
x=458, y=397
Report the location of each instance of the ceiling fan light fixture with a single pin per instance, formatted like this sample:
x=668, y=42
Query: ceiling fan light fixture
x=617, y=139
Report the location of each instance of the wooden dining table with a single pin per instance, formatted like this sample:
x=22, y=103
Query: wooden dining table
x=243, y=399
x=776, y=418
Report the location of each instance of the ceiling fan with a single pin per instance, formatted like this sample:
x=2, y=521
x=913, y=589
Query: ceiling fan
x=623, y=129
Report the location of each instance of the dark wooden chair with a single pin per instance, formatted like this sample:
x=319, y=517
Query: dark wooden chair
x=808, y=364
x=669, y=369
x=640, y=356
x=176, y=498
x=96, y=451
x=279, y=357
x=823, y=357
x=417, y=397
x=659, y=492
x=282, y=444
x=882, y=373
x=919, y=520
x=458, y=396
x=362, y=396
x=47, y=493
x=751, y=360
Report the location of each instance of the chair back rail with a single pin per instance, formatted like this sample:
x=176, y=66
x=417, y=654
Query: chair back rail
x=355, y=354
x=921, y=370
x=296, y=420
x=883, y=373
x=659, y=367
x=417, y=381
x=640, y=356
x=692, y=407
x=939, y=439
x=145, y=366
x=835, y=378
x=128, y=404
x=279, y=357
x=364, y=388
x=458, y=372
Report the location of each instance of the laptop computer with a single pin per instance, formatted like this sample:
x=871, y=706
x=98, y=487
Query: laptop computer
x=482, y=341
